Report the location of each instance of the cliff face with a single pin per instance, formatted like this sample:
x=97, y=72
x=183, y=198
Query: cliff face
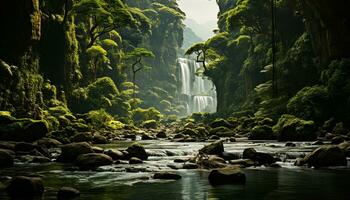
x=20, y=22
x=328, y=23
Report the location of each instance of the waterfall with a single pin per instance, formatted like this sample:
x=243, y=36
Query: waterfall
x=197, y=92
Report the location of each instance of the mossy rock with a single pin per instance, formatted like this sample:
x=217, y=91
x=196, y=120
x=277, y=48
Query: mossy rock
x=221, y=122
x=220, y=129
x=80, y=127
x=115, y=125
x=291, y=128
x=189, y=132
x=6, y=118
x=262, y=133
x=150, y=124
x=139, y=114
x=24, y=130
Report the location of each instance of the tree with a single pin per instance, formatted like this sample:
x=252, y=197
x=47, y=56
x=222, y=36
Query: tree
x=135, y=57
x=200, y=49
x=103, y=16
x=98, y=57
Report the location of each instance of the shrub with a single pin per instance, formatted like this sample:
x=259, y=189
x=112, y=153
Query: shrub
x=310, y=103
x=291, y=128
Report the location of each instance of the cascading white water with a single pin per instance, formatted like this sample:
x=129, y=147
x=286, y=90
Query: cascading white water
x=200, y=92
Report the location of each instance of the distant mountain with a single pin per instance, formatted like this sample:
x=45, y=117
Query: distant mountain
x=190, y=38
x=204, y=31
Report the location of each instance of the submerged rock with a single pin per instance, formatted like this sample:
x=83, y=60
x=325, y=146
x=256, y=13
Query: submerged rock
x=226, y=176
x=93, y=160
x=22, y=187
x=166, y=176
x=66, y=193
x=71, y=151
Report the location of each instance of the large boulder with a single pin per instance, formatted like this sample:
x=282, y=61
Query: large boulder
x=137, y=151
x=82, y=137
x=258, y=157
x=93, y=160
x=27, y=130
x=216, y=148
x=291, y=128
x=71, y=151
x=150, y=124
x=6, y=159
x=227, y=176
x=326, y=157
x=22, y=187
x=263, y=132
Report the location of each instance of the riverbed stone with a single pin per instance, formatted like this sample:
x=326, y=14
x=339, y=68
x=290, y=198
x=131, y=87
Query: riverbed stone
x=166, y=176
x=242, y=162
x=326, y=157
x=259, y=157
x=138, y=151
x=161, y=134
x=227, y=176
x=337, y=140
x=99, y=139
x=82, y=137
x=67, y=193
x=93, y=160
x=190, y=166
x=135, y=160
x=22, y=187
x=221, y=122
x=262, y=132
x=115, y=154
x=48, y=142
x=6, y=159
x=71, y=151
x=215, y=148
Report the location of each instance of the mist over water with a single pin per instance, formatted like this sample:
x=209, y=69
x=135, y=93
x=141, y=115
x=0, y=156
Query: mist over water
x=198, y=92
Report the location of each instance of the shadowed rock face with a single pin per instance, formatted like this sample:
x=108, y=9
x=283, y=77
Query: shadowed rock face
x=20, y=22
x=327, y=21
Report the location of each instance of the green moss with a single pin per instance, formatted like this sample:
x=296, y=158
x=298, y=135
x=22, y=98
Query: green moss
x=291, y=128
x=139, y=114
x=115, y=125
x=262, y=133
x=150, y=124
x=310, y=103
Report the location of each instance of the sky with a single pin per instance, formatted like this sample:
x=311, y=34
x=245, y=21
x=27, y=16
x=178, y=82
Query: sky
x=201, y=11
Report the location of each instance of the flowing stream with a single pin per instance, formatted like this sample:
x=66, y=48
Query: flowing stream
x=125, y=182
x=199, y=93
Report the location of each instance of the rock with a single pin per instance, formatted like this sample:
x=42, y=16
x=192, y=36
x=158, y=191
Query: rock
x=261, y=133
x=220, y=131
x=40, y=159
x=71, y=151
x=146, y=136
x=66, y=193
x=260, y=158
x=290, y=144
x=24, y=147
x=226, y=176
x=242, y=162
x=346, y=147
x=6, y=159
x=212, y=162
x=275, y=165
x=222, y=123
x=150, y=124
x=189, y=132
x=166, y=176
x=82, y=137
x=27, y=130
x=232, y=139
x=93, y=160
x=179, y=135
x=216, y=148
x=134, y=160
x=97, y=149
x=99, y=139
x=329, y=125
x=326, y=157
x=179, y=160
x=48, y=142
x=190, y=166
x=7, y=145
x=137, y=151
x=340, y=129
x=291, y=128
x=337, y=140
x=115, y=154
x=229, y=156
x=161, y=134
x=22, y=187
x=214, y=137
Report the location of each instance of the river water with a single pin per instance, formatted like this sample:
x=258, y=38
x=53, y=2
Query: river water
x=123, y=181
